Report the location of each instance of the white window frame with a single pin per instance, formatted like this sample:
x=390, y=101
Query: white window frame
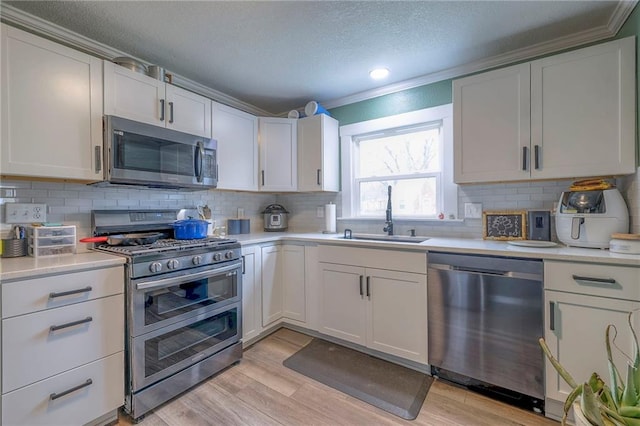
x=449, y=193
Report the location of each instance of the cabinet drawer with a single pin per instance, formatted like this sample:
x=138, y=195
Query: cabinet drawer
x=621, y=282
x=395, y=260
x=32, y=405
x=26, y=296
x=32, y=351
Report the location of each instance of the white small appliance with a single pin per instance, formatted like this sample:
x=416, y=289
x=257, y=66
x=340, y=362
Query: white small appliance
x=588, y=218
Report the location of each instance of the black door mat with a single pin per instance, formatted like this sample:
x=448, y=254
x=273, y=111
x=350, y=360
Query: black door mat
x=391, y=387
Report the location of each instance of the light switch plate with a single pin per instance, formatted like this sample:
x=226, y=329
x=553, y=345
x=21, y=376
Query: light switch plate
x=319, y=212
x=472, y=210
x=25, y=213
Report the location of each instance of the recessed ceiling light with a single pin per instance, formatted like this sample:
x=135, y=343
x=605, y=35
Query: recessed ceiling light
x=379, y=73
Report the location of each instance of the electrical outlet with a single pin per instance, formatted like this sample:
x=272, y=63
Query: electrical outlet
x=472, y=210
x=240, y=212
x=319, y=211
x=25, y=213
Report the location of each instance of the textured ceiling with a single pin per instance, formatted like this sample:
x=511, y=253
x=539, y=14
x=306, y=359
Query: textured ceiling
x=279, y=55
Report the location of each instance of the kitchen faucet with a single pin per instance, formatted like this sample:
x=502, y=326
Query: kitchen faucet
x=389, y=222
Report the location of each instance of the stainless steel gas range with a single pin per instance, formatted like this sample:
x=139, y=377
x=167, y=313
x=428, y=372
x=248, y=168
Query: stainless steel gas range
x=183, y=306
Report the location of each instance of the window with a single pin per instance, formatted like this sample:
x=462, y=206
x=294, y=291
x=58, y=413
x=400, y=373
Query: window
x=410, y=152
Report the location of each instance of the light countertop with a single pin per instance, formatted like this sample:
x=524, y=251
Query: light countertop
x=455, y=245
x=28, y=267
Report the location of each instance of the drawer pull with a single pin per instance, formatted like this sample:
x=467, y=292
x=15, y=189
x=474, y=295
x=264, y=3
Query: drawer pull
x=55, y=396
x=70, y=292
x=70, y=324
x=595, y=280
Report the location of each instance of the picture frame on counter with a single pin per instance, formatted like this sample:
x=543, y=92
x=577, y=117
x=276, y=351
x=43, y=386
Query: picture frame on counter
x=504, y=225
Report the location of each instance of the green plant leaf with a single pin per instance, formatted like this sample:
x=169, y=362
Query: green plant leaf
x=589, y=406
x=629, y=395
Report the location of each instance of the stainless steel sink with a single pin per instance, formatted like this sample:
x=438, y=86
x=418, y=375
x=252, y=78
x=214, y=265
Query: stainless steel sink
x=390, y=238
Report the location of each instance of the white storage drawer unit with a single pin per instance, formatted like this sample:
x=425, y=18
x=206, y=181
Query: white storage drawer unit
x=620, y=282
x=56, y=340
x=63, y=347
x=45, y=402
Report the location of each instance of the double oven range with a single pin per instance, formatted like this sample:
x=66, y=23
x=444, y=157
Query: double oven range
x=183, y=306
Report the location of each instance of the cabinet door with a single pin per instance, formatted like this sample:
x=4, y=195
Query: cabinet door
x=575, y=329
x=397, y=313
x=272, y=285
x=51, y=109
x=251, y=294
x=343, y=312
x=237, y=135
x=318, y=156
x=188, y=112
x=491, y=126
x=583, y=111
x=278, y=154
x=132, y=95
x=294, y=291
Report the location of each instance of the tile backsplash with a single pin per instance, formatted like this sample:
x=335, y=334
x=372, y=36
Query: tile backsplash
x=71, y=204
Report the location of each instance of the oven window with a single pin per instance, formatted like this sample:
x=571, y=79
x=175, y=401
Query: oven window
x=168, y=302
x=168, y=349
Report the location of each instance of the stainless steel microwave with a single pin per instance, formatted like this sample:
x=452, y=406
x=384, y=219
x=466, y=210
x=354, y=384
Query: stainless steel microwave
x=141, y=154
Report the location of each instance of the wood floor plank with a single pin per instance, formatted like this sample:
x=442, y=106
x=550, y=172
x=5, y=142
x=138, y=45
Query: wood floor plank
x=261, y=391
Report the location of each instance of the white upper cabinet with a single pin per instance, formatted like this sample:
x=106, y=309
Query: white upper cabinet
x=278, y=154
x=237, y=135
x=51, y=109
x=583, y=112
x=318, y=154
x=138, y=97
x=563, y=116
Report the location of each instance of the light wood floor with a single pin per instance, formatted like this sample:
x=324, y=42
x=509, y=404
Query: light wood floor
x=261, y=391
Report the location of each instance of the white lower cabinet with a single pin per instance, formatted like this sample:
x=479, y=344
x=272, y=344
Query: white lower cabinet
x=581, y=300
x=382, y=309
x=283, y=283
x=63, y=347
x=251, y=293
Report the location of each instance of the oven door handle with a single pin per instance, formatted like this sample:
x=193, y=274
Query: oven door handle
x=169, y=281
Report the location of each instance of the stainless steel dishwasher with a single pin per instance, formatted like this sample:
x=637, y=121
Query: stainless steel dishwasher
x=485, y=319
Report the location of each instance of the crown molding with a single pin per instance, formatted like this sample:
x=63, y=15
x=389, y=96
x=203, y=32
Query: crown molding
x=16, y=17
x=618, y=18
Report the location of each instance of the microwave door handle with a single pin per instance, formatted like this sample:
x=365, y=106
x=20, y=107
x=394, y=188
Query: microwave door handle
x=199, y=161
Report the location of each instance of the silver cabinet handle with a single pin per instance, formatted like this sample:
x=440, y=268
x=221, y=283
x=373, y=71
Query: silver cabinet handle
x=98, y=155
x=536, y=156
x=244, y=270
x=53, y=295
x=170, y=112
x=262, y=172
x=55, y=396
x=70, y=324
x=361, y=292
x=318, y=176
x=369, y=288
x=161, y=109
x=525, y=150
x=594, y=280
x=552, y=316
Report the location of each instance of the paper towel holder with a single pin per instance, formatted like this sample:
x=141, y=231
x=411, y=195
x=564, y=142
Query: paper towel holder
x=330, y=218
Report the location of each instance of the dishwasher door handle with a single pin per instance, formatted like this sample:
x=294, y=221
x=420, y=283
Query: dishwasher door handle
x=482, y=271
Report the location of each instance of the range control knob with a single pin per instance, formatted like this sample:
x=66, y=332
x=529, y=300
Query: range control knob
x=228, y=255
x=155, y=267
x=173, y=264
x=217, y=257
x=197, y=260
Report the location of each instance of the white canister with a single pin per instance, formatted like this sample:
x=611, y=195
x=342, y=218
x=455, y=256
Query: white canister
x=625, y=243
